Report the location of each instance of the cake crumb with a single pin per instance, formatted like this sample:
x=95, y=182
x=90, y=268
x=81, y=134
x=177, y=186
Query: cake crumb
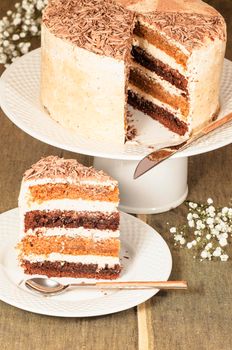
x=131, y=132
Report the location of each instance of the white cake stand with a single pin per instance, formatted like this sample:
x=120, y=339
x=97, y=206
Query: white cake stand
x=162, y=188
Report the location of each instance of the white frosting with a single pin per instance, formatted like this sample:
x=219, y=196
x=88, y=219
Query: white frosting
x=69, y=180
x=158, y=54
x=94, y=234
x=101, y=261
x=82, y=90
x=204, y=74
x=69, y=204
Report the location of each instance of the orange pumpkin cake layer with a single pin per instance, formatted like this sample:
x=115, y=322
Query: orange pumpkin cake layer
x=49, y=191
x=156, y=90
x=70, y=245
x=155, y=38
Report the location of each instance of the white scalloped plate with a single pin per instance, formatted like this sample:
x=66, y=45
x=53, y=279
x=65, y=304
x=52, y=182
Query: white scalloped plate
x=19, y=99
x=144, y=256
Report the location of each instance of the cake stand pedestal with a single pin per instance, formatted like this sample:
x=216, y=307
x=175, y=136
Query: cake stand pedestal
x=162, y=188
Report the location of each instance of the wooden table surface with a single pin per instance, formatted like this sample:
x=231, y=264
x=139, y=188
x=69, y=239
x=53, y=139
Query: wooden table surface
x=198, y=319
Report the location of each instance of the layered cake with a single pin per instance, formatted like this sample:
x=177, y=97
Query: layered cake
x=162, y=57
x=69, y=221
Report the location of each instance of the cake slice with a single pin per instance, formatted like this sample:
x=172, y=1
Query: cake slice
x=69, y=221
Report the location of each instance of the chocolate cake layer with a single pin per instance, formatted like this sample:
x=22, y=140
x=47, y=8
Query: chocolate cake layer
x=156, y=39
x=69, y=245
x=48, y=191
x=153, y=88
x=160, y=68
x=71, y=219
x=158, y=113
x=66, y=269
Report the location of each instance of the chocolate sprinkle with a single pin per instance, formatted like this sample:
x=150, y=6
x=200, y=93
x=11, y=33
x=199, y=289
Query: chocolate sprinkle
x=105, y=27
x=100, y=26
x=54, y=167
x=189, y=29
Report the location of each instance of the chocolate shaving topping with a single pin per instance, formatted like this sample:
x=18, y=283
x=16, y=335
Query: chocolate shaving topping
x=190, y=29
x=100, y=26
x=54, y=167
x=105, y=27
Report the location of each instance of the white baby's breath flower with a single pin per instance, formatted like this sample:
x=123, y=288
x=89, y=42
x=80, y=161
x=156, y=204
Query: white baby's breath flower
x=192, y=205
x=223, y=242
x=16, y=21
x=173, y=230
x=225, y=210
x=23, y=22
x=211, y=229
x=210, y=221
x=182, y=241
x=197, y=233
x=211, y=208
x=177, y=237
x=208, y=246
x=15, y=37
x=204, y=254
x=224, y=257
x=5, y=43
x=200, y=225
x=191, y=223
x=217, y=252
x=3, y=59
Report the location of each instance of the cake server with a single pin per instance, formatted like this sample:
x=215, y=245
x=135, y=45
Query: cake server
x=49, y=287
x=156, y=157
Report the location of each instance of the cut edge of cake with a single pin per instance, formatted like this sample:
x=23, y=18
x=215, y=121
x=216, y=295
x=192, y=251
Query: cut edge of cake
x=69, y=221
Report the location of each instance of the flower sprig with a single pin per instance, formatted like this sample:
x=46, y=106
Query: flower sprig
x=17, y=28
x=207, y=231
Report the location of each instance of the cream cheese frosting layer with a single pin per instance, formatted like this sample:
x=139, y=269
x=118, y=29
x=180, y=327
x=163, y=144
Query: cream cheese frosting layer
x=99, y=260
x=70, y=204
x=94, y=234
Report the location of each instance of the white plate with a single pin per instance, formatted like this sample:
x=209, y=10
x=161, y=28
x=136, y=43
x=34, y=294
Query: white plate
x=19, y=98
x=149, y=259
